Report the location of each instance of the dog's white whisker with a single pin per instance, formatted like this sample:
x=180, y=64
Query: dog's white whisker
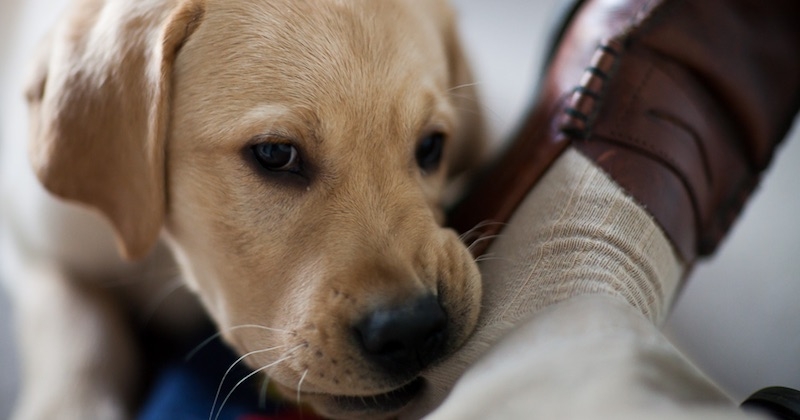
x=494, y=115
x=262, y=395
x=222, y=382
x=467, y=97
x=490, y=223
x=469, y=236
x=483, y=225
x=488, y=237
x=472, y=112
x=475, y=229
x=464, y=85
x=257, y=326
x=200, y=346
x=250, y=375
x=166, y=291
x=482, y=259
x=464, y=236
x=300, y=385
x=482, y=239
x=219, y=333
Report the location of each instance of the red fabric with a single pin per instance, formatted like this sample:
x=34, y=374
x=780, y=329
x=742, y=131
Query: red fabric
x=293, y=414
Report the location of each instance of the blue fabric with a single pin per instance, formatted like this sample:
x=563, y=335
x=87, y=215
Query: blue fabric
x=185, y=390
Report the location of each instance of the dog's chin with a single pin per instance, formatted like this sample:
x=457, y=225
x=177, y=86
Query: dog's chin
x=385, y=404
x=378, y=406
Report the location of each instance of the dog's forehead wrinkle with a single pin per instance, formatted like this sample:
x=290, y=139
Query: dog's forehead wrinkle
x=284, y=67
x=297, y=40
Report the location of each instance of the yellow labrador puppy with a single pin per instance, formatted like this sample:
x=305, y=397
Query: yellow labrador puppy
x=293, y=156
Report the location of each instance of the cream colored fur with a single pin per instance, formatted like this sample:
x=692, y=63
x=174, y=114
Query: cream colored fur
x=144, y=112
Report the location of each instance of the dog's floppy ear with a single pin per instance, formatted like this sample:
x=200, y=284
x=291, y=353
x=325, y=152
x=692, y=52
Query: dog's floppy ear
x=99, y=109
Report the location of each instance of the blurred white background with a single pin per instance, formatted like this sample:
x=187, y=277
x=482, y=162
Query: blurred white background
x=739, y=316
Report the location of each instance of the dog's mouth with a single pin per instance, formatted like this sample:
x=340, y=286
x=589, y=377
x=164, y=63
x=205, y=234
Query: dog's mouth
x=377, y=406
x=387, y=402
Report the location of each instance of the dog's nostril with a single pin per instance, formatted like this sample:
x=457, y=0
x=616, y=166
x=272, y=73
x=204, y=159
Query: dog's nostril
x=404, y=339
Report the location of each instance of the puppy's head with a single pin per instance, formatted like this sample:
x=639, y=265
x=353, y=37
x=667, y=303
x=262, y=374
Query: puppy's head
x=295, y=154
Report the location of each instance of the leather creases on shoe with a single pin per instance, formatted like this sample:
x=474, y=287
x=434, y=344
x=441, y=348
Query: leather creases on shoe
x=672, y=129
x=682, y=103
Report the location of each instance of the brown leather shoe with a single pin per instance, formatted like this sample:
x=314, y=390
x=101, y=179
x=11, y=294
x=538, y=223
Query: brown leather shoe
x=681, y=102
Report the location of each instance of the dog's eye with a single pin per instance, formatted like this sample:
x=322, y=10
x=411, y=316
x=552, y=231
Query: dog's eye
x=429, y=151
x=277, y=157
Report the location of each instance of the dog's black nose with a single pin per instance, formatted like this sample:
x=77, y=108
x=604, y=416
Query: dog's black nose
x=404, y=339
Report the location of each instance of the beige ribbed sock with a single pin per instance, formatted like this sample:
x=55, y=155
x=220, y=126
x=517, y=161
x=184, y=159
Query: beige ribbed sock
x=576, y=233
